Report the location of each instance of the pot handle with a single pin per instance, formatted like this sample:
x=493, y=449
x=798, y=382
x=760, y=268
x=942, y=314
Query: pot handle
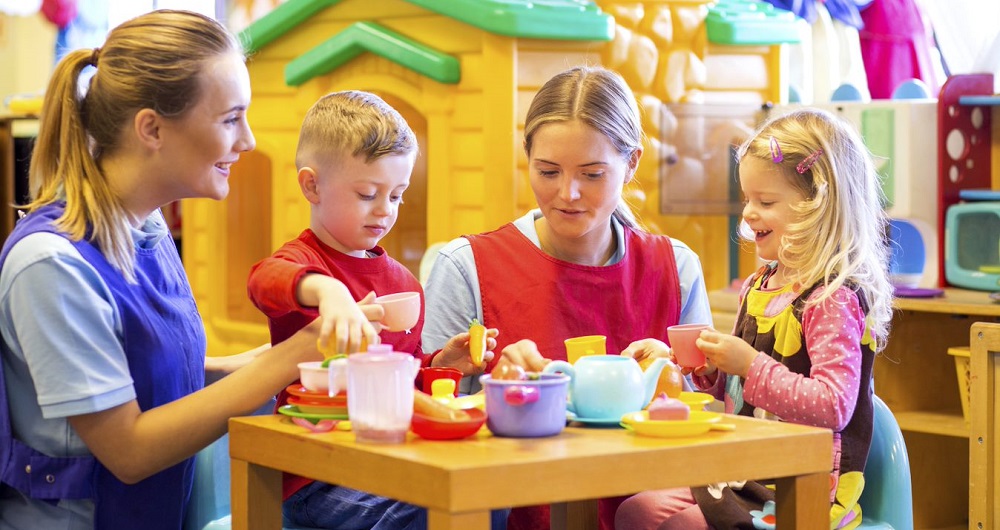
x=518, y=395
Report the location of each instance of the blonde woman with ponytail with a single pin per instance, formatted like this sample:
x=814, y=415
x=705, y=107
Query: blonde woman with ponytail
x=102, y=396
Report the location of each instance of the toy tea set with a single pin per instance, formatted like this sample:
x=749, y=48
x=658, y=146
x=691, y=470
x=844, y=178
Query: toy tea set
x=375, y=391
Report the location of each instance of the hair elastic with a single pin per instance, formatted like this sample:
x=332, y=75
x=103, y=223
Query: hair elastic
x=93, y=56
x=804, y=165
x=776, y=153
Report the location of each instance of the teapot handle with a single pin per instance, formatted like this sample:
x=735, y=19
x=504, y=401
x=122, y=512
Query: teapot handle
x=560, y=367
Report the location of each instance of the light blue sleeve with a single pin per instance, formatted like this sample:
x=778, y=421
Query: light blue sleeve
x=451, y=294
x=694, y=295
x=59, y=321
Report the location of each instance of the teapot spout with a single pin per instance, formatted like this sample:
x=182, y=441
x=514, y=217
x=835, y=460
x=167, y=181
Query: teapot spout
x=650, y=377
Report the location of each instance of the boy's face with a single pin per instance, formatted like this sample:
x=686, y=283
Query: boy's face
x=356, y=203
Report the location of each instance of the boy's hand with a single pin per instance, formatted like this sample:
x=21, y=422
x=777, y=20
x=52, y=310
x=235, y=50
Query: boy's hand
x=344, y=324
x=729, y=353
x=374, y=312
x=456, y=353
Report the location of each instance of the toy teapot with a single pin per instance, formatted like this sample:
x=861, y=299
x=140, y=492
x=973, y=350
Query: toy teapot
x=605, y=387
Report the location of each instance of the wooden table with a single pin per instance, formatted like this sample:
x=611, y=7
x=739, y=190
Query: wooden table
x=460, y=481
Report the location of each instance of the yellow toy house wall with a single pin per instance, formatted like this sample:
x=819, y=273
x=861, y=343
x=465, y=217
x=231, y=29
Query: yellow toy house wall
x=472, y=166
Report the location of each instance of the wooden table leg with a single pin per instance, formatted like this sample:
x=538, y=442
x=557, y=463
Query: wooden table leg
x=578, y=515
x=255, y=496
x=803, y=502
x=441, y=520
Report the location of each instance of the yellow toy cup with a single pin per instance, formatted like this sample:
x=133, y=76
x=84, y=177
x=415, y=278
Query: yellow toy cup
x=577, y=347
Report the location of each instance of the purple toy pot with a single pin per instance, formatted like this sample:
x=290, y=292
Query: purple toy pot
x=526, y=409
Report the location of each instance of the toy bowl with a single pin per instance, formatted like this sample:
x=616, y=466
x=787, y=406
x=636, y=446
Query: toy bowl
x=317, y=378
x=437, y=429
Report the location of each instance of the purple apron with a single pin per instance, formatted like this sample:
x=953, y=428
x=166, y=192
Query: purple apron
x=165, y=348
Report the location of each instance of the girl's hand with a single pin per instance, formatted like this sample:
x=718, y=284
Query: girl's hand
x=524, y=353
x=456, y=353
x=729, y=353
x=643, y=349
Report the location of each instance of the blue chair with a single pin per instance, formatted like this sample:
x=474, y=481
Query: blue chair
x=210, y=508
x=887, y=501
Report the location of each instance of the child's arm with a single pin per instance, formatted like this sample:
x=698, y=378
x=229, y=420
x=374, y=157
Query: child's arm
x=455, y=353
x=827, y=397
x=342, y=319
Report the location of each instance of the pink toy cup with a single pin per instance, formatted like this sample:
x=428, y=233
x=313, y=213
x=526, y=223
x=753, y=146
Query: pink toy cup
x=402, y=310
x=429, y=375
x=682, y=342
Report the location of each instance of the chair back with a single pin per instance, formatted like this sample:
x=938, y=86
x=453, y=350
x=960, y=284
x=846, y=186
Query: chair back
x=887, y=500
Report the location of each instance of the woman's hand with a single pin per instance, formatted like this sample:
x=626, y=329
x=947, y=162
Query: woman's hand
x=643, y=349
x=524, y=353
x=456, y=354
x=217, y=367
x=728, y=353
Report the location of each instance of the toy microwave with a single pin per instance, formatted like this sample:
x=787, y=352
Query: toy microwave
x=972, y=245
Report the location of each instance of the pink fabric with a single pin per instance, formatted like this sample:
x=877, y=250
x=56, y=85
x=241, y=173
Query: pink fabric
x=896, y=45
x=672, y=509
x=59, y=12
x=636, y=298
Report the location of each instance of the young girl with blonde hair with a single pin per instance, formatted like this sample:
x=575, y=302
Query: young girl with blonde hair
x=810, y=321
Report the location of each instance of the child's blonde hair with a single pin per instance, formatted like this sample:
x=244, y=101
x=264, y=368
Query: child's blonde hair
x=840, y=234
x=153, y=61
x=352, y=123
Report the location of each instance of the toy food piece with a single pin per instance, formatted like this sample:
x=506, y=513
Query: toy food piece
x=510, y=372
x=671, y=379
x=432, y=408
x=477, y=341
x=668, y=408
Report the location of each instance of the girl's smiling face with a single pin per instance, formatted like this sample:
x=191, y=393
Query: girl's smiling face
x=768, y=200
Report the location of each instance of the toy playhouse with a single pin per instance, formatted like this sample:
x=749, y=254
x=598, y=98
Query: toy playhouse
x=462, y=73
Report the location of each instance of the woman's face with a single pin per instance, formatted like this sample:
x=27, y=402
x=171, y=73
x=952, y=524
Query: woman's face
x=577, y=176
x=208, y=139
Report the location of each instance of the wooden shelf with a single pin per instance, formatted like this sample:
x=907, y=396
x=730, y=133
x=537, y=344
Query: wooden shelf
x=941, y=423
x=954, y=302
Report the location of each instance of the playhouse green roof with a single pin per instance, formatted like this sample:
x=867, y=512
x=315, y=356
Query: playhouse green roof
x=551, y=19
x=548, y=19
x=733, y=22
